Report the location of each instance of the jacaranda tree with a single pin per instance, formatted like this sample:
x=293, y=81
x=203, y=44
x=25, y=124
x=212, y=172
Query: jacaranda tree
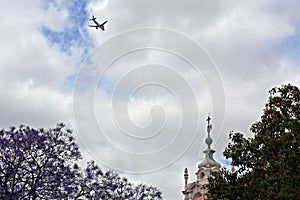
x=96, y=184
x=43, y=164
x=268, y=164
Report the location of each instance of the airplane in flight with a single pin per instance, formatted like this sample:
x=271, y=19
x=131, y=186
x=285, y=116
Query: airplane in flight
x=97, y=25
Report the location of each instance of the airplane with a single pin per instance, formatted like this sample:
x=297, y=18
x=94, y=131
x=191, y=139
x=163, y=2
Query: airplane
x=97, y=23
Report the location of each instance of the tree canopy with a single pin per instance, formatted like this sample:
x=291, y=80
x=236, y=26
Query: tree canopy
x=43, y=164
x=267, y=165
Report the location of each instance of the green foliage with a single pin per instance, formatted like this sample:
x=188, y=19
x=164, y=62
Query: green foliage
x=267, y=164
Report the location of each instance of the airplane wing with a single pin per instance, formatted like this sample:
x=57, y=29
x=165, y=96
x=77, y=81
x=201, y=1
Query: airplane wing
x=104, y=23
x=93, y=26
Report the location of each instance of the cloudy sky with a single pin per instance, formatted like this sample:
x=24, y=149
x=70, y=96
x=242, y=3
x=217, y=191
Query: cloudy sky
x=137, y=95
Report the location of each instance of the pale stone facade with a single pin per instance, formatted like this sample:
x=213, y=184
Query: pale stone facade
x=197, y=190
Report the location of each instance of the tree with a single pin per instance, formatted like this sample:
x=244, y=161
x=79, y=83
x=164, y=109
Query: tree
x=96, y=184
x=42, y=164
x=267, y=164
x=36, y=164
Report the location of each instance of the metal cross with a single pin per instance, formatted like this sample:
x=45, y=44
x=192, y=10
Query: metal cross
x=208, y=119
x=208, y=124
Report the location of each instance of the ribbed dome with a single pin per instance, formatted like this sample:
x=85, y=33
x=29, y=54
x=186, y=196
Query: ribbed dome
x=209, y=160
x=209, y=163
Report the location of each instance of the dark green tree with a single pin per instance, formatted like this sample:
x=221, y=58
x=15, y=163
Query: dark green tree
x=267, y=164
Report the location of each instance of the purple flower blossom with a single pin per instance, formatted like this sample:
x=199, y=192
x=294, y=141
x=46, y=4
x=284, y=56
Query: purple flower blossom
x=42, y=164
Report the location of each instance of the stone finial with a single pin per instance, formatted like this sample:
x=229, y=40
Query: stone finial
x=232, y=169
x=186, y=177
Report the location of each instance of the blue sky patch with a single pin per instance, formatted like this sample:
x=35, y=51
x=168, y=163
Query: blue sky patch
x=290, y=46
x=226, y=162
x=75, y=34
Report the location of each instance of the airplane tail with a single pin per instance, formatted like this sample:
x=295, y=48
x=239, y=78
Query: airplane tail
x=93, y=18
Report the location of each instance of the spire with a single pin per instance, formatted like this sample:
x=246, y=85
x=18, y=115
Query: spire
x=208, y=140
x=209, y=160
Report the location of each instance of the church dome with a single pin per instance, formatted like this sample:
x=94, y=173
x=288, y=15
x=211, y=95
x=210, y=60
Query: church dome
x=209, y=163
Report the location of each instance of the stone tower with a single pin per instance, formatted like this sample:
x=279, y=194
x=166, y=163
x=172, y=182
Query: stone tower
x=197, y=190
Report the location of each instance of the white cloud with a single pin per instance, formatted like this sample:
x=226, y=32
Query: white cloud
x=32, y=73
